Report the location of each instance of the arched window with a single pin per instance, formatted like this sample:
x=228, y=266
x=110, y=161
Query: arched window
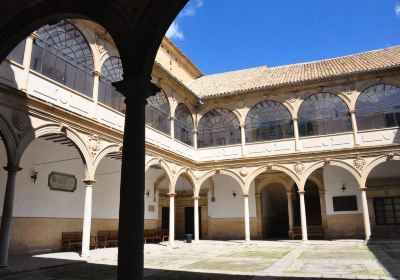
x=218, y=127
x=61, y=53
x=111, y=71
x=378, y=107
x=268, y=120
x=157, y=112
x=183, y=124
x=323, y=113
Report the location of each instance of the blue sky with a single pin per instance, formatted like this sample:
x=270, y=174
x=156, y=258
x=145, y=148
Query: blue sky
x=225, y=35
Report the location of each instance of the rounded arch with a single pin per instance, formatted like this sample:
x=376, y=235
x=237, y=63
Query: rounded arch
x=374, y=163
x=218, y=127
x=227, y=172
x=158, y=112
x=271, y=180
x=71, y=134
x=378, y=107
x=323, y=113
x=268, y=120
x=217, y=105
x=165, y=167
x=110, y=149
x=188, y=176
x=274, y=167
x=183, y=124
x=313, y=167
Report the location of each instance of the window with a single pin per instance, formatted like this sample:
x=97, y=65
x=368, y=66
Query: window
x=61, y=53
x=345, y=203
x=157, y=112
x=111, y=71
x=378, y=107
x=218, y=127
x=268, y=120
x=323, y=113
x=183, y=124
x=387, y=210
x=17, y=54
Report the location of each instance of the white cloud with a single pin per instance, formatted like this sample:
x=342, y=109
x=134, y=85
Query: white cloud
x=397, y=9
x=175, y=32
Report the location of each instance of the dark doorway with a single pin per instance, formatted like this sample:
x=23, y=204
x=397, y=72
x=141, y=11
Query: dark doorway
x=165, y=218
x=189, y=221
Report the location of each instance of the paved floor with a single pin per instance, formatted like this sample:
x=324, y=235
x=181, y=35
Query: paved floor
x=218, y=260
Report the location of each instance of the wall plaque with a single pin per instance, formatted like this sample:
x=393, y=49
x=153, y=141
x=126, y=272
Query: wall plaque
x=62, y=182
x=345, y=203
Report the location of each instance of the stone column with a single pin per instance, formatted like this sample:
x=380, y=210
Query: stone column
x=5, y=230
x=194, y=138
x=27, y=59
x=296, y=134
x=367, y=225
x=171, y=218
x=87, y=218
x=303, y=216
x=246, y=217
x=243, y=138
x=96, y=85
x=196, y=219
x=290, y=213
x=172, y=121
x=354, y=127
x=131, y=209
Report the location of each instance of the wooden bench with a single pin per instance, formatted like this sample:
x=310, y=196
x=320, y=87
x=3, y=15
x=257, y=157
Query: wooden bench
x=73, y=241
x=164, y=232
x=107, y=238
x=315, y=231
x=151, y=235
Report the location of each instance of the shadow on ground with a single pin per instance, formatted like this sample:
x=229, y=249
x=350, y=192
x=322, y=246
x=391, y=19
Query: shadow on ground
x=88, y=271
x=387, y=252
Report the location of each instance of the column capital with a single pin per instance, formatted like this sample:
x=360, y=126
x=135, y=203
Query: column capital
x=194, y=131
x=33, y=35
x=171, y=118
x=12, y=168
x=301, y=192
x=294, y=119
x=245, y=195
x=96, y=73
x=242, y=125
x=196, y=197
x=171, y=194
x=89, y=182
x=289, y=193
x=353, y=111
x=363, y=189
x=136, y=88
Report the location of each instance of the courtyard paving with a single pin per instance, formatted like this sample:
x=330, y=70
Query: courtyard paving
x=218, y=260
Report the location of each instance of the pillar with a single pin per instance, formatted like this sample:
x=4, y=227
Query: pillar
x=171, y=218
x=243, y=138
x=194, y=138
x=364, y=202
x=246, y=217
x=354, y=127
x=172, y=125
x=96, y=85
x=131, y=209
x=5, y=230
x=296, y=134
x=303, y=216
x=87, y=218
x=27, y=60
x=196, y=219
x=290, y=213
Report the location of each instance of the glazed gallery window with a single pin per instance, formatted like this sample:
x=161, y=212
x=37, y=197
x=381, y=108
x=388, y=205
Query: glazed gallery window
x=268, y=120
x=183, y=124
x=387, y=210
x=378, y=107
x=61, y=53
x=323, y=113
x=157, y=112
x=111, y=71
x=218, y=127
x=17, y=54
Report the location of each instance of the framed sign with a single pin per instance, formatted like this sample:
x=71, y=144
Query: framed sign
x=345, y=203
x=62, y=182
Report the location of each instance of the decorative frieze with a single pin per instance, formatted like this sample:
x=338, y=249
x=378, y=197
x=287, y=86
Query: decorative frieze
x=359, y=162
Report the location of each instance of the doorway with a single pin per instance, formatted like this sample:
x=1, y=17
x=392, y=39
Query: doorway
x=189, y=221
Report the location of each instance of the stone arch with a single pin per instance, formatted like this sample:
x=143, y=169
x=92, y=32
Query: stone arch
x=113, y=148
x=370, y=83
x=267, y=181
x=275, y=167
x=9, y=140
x=165, y=167
x=227, y=172
x=218, y=105
x=187, y=174
x=305, y=176
x=374, y=163
x=265, y=99
x=69, y=133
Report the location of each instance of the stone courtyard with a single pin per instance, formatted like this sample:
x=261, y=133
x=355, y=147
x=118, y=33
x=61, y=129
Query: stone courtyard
x=344, y=259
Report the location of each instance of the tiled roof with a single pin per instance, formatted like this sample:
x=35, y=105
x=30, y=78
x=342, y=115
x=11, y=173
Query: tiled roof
x=242, y=81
